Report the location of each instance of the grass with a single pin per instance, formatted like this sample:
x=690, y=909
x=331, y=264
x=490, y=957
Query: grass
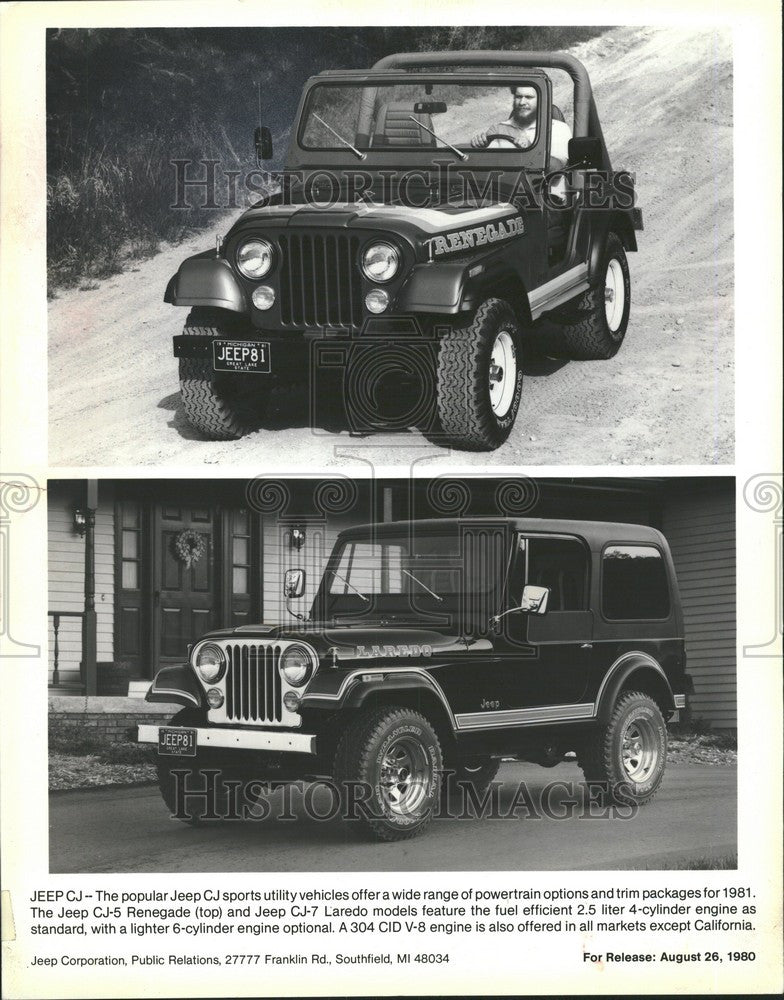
x=726, y=862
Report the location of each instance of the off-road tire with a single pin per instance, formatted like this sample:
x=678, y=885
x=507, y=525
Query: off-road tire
x=465, y=415
x=204, y=760
x=601, y=755
x=222, y=406
x=579, y=330
x=477, y=773
x=359, y=757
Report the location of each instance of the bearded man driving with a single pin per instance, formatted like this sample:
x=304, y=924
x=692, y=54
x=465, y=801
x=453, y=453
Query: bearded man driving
x=520, y=128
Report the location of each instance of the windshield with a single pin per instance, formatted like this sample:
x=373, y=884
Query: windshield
x=422, y=116
x=451, y=572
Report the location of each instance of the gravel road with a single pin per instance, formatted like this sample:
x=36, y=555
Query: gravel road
x=665, y=101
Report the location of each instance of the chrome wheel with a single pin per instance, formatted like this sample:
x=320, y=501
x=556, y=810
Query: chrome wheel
x=614, y=295
x=639, y=750
x=405, y=776
x=502, y=374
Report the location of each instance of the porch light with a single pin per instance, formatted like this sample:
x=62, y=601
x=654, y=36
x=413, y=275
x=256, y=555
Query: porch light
x=80, y=521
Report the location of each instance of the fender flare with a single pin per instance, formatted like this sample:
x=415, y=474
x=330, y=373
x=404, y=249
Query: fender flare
x=620, y=672
x=617, y=222
x=176, y=684
x=363, y=684
x=206, y=280
x=451, y=288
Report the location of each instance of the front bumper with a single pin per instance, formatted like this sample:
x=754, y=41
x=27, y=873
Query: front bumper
x=240, y=739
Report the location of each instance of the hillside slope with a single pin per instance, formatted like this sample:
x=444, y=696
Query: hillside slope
x=665, y=101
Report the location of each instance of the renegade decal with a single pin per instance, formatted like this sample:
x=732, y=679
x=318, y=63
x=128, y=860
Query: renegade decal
x=404, y=650
x=467, y=239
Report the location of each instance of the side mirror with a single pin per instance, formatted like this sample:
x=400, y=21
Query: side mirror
x=535, y=599
x=587, y=151
x=262, y=139
x=534, y=603
x=294, y=583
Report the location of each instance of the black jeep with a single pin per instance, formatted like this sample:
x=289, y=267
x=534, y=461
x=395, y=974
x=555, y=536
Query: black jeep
x=411, y=240
x=440, y=647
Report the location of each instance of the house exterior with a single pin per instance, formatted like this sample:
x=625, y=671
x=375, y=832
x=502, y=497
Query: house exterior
x=165, y=560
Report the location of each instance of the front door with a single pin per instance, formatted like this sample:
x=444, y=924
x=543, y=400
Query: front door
x=184, y=578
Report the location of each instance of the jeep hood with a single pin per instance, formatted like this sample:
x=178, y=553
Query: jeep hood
x=342, y=644
x=501, y=220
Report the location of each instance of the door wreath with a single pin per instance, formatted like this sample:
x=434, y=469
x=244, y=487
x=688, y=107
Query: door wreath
x=189, y=546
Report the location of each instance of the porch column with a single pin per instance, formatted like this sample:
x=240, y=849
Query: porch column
x=89, y=621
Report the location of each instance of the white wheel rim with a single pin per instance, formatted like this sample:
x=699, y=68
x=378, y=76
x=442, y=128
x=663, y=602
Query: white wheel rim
x=614, y=295
x=502, y=374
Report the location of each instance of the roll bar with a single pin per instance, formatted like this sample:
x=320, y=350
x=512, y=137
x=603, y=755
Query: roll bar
x=586, y=120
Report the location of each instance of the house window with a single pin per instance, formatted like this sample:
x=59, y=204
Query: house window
x=634, y=583
x=130, y=554
x=240, y=552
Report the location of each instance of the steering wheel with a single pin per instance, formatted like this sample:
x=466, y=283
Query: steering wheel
x=503, y=137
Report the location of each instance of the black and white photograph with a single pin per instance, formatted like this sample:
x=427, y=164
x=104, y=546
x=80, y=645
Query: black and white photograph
x=515, y=243
x=437, y=674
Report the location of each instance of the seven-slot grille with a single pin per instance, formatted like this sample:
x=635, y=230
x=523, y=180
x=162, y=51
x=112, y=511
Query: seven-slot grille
x=319, y=280
x=253, y=683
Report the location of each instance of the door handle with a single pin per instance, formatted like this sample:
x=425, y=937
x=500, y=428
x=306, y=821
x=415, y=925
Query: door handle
x=587, y=645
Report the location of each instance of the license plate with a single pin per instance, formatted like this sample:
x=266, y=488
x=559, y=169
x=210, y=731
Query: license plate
x=176, y=742
x=241, y=356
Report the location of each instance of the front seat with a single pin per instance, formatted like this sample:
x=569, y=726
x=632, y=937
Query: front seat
x=395, y=128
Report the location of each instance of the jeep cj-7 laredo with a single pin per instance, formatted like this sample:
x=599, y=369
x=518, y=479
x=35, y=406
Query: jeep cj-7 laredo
x=390, y=228
x=438, y=648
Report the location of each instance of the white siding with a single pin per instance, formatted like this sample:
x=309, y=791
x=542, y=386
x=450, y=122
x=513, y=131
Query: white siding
x=66, y=577
x=312, y=557
x=701, y=531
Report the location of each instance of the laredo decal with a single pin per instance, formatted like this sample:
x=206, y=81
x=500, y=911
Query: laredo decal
x=467, y=239
x=404, y=650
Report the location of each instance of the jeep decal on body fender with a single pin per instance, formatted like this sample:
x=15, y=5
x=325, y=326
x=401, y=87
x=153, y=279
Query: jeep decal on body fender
x=467, y=239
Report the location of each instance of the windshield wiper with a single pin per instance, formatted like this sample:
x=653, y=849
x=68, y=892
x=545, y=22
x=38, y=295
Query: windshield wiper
x=423, y=586
x=340, y=137
x=455, y=150
x=357, y=592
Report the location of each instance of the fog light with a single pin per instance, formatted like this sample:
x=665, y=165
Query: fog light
x=215, y=697
x=291, y=701
x=376, y=300
x=263, y=297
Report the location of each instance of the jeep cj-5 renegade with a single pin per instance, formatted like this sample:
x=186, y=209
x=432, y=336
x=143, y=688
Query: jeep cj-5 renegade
x=437, y=648
x=391, y=225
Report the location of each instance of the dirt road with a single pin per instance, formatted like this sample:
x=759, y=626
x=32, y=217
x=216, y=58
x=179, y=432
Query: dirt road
x=665, y=101
x=691, y=819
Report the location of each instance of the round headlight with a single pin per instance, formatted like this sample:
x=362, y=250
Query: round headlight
x=215, y=697
x=376, y=300
x=380, y=262
x=296, y=666
x=263, y=297
x=254, y=258
x=210, y=663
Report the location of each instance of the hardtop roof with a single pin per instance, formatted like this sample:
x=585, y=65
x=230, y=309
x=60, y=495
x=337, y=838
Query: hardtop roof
x=594, y=532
